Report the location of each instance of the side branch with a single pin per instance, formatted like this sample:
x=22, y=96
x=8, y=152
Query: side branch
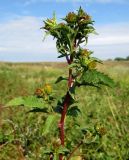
x=71, y=154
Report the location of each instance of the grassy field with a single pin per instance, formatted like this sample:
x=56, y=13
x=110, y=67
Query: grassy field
x=21, y=133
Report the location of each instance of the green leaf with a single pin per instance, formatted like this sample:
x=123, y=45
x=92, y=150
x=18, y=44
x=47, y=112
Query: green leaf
x=30, y=101
x=48, y=151
x=73, y=65
x=95, y=78
x=44, y=110
x=63, y=150
x=96, y=60
x=33, y=101
x=72, y=93
x=49, y=123
x=62, y=55
x=59, y=106
x=60, y=79
x=46, y=34
x=16, y=102
x=73, y=111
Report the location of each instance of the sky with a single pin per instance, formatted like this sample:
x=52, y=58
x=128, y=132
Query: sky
x=21, y=39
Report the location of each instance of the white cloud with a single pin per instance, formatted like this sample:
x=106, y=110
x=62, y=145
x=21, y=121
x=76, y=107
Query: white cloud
x=112, y=41
x=24, y=37
x=21, y=40
x=110, y=34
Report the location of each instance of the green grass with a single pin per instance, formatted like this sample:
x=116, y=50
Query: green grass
x=21, y=133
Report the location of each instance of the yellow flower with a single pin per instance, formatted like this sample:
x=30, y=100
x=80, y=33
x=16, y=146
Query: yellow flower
x=38, y=92
x=85, y=17
x=71, y=17
x=101, y=130
x=92, y=65
x=84, y=52
x=48, y=88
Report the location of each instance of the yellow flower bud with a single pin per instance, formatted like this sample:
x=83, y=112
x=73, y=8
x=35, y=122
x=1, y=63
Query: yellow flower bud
x=100, y=129
x=85, y=53
x=92, y=65
x=38, y=92
x=47, y=88
x=71, y=17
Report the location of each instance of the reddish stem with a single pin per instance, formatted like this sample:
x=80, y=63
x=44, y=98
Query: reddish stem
x=65, y=106
x=66, y=102
x=51, y=157
x=74, y=150
x=68, y=60
x=62, y=135
x=64, y=111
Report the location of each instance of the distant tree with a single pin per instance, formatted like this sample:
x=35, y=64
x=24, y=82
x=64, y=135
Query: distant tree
x=119, y=59
x=109, y=59
x=127, y=58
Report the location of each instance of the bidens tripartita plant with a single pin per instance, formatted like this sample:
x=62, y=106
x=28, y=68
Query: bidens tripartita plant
x=69, y=35
x=68, y=137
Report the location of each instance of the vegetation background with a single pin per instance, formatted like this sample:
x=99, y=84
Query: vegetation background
x=21, y=132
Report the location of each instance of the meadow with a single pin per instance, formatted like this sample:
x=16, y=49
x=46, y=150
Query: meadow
x=21, y=132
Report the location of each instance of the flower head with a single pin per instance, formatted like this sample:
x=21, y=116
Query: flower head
x=38, y=92
x=84, y=52
x=92, y=65
x=47, y=88
x=71, y=17
x=49, y=24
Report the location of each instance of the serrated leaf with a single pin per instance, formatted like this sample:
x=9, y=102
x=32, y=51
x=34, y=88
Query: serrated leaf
x=59, y=79
x=16, y=102
x=30, y=101
x=33, y=101
x=73, y=111
x=95, y=78
x=49, y=123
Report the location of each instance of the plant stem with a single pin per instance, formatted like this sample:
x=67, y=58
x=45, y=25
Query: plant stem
x=51, y=157
x=65, y=106
x=62, y=134
x=64, y=111
x=1, y=115
x=74, y=150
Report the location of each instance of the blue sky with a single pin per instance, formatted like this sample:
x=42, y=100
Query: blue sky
x=21, y=37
